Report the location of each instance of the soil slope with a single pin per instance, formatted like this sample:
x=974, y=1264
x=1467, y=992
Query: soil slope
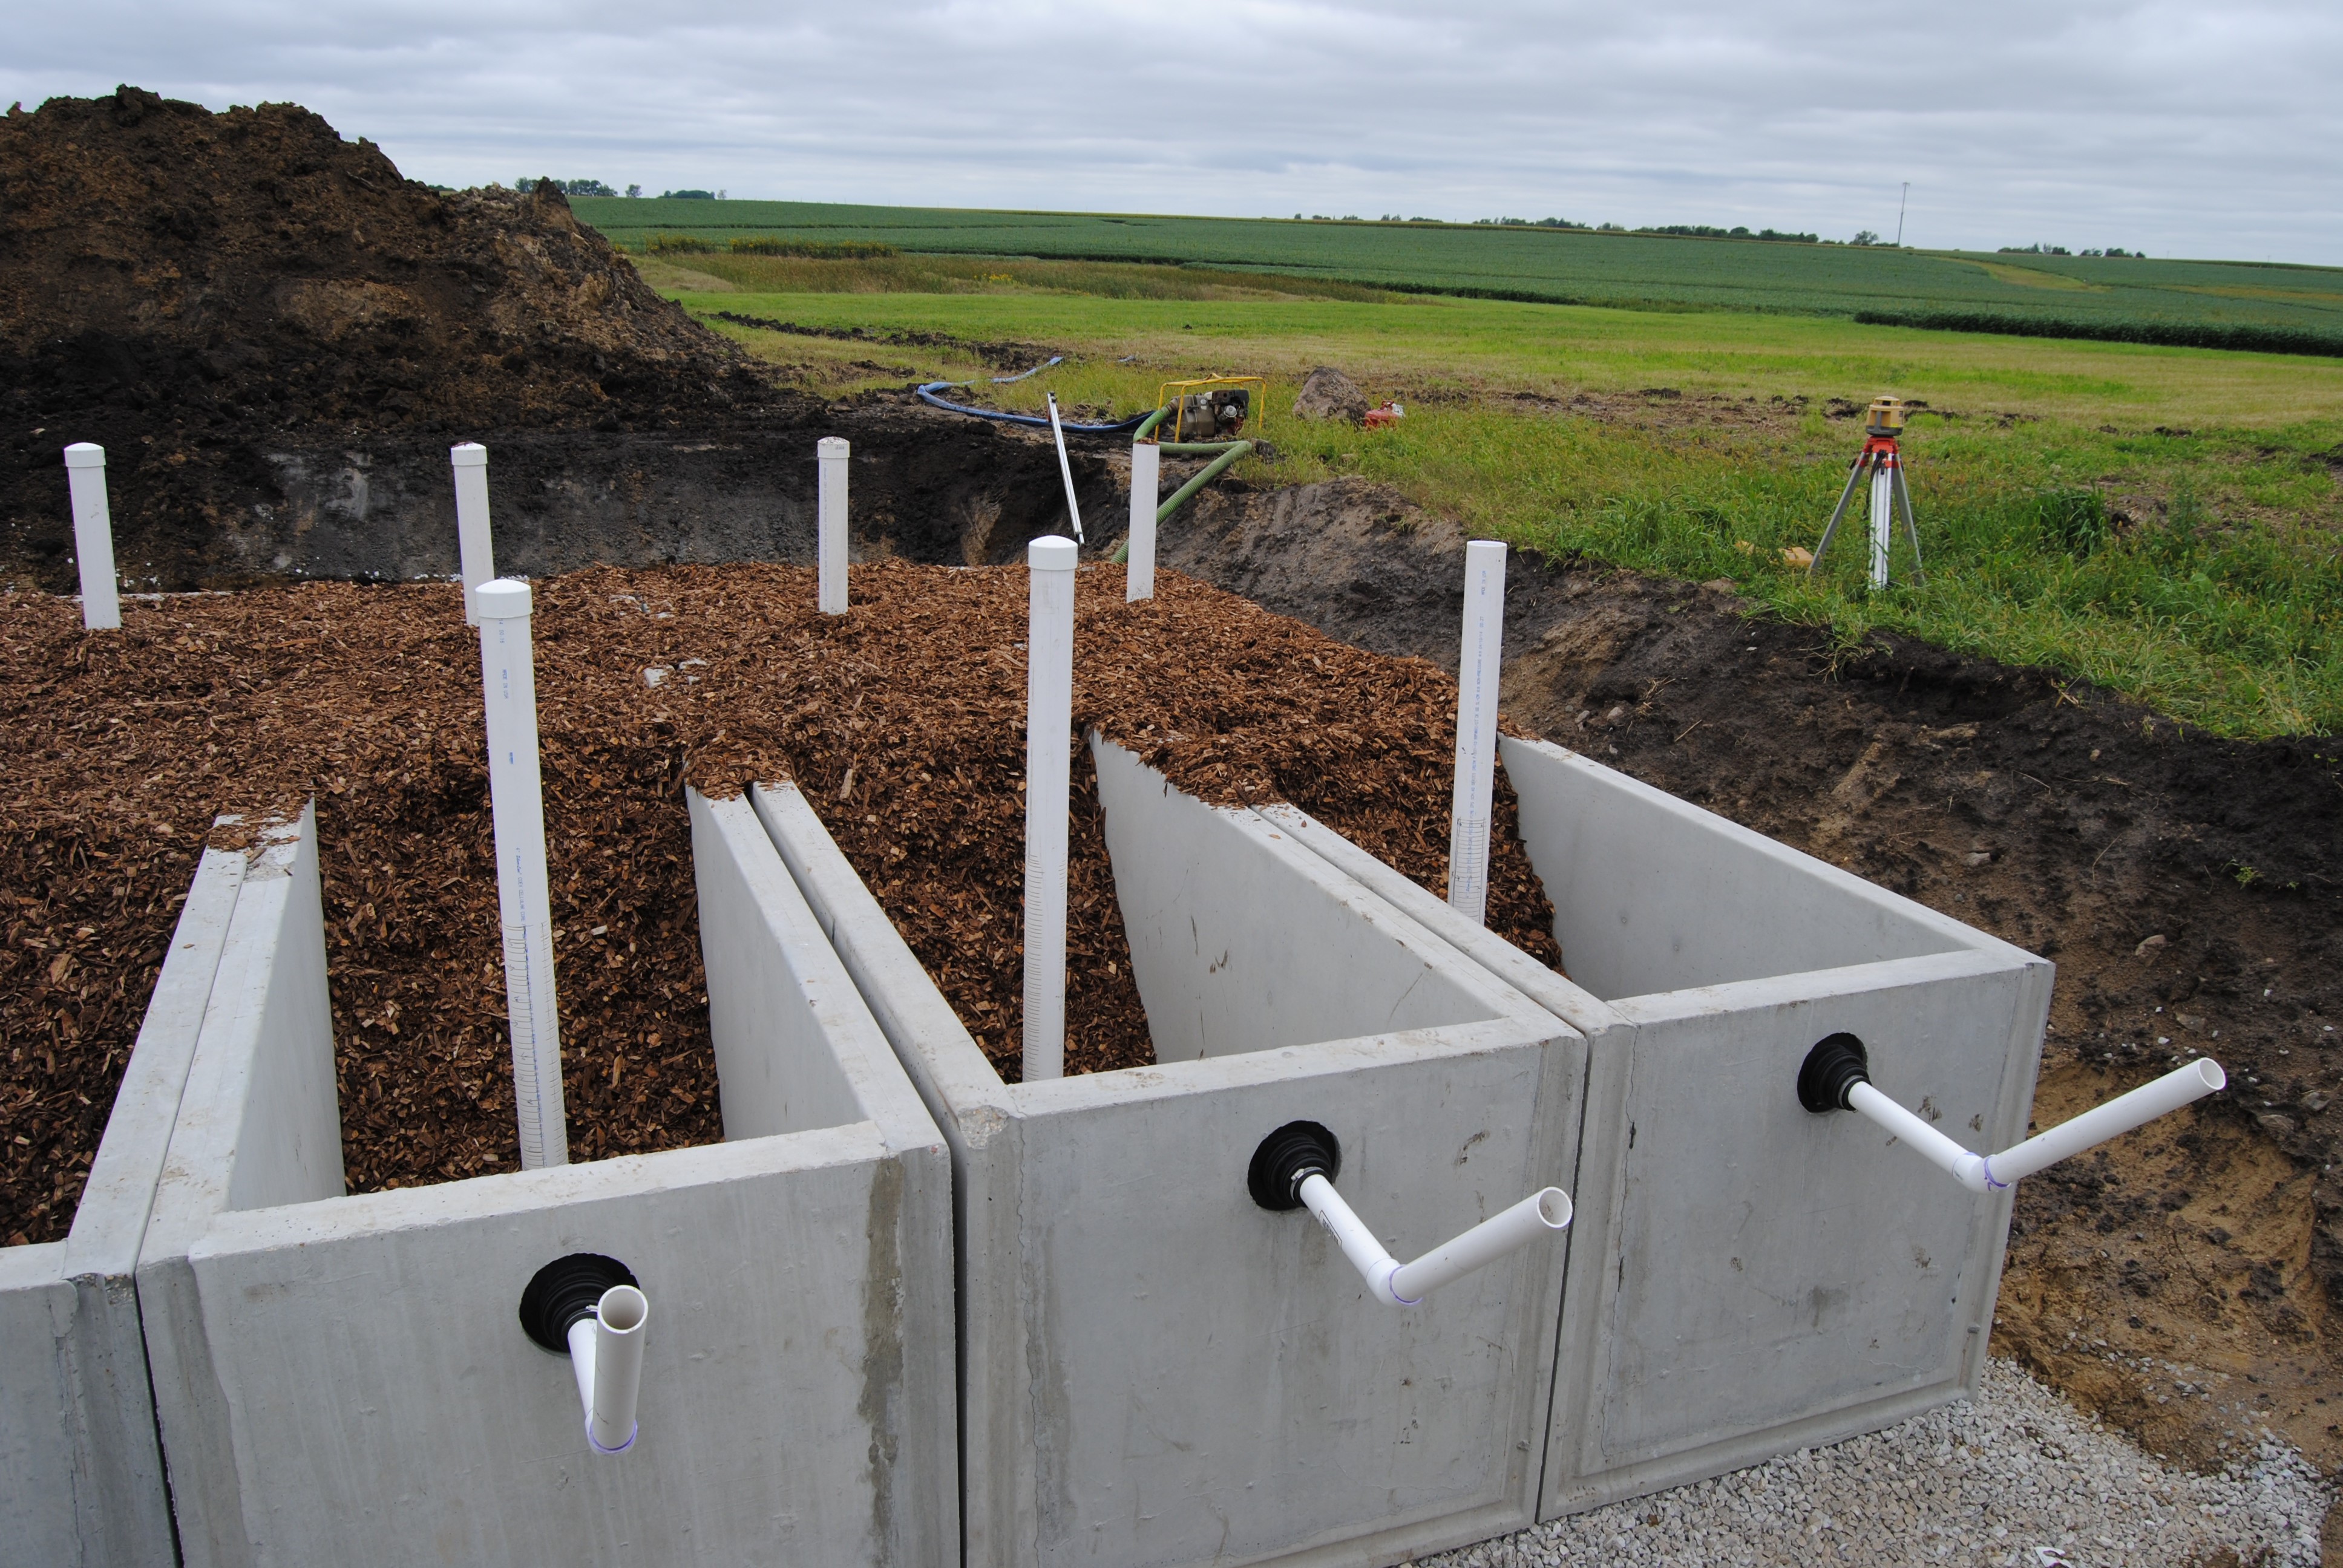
x=175, y=283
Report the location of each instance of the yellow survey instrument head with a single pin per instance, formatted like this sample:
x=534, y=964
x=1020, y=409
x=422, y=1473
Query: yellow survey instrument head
x=1887, y=415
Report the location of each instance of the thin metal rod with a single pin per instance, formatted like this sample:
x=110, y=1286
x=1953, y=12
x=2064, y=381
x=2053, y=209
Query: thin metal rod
x=1911, y=526
x=1854, y=478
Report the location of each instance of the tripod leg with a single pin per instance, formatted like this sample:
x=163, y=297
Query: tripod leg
x=1854, y=478
x=1911, y=526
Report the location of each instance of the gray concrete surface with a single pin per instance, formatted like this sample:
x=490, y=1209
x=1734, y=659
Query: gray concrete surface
x=1748, y=1278
x=343, y=1379
x=1156, y=1371
x=81, y=1474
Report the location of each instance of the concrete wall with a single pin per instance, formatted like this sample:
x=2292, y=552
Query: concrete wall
x=1156, y=1371
x=81, y=1475
x=343, y=1379
x=1748, y=1278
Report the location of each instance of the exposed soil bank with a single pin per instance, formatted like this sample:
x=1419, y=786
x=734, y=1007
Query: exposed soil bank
x=903, y=721
x=2189, y=888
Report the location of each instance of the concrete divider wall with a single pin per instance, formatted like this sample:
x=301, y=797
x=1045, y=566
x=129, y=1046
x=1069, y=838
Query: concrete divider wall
x=81, y=1474
x=1155, y=1369
x=1748, y=1278
x=345, y=1378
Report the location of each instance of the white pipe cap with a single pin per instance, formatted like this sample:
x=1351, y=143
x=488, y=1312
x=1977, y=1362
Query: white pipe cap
x=831, y=448
x=503, y=600
x=84, y=455
x=470, y=455
x=1052, y=553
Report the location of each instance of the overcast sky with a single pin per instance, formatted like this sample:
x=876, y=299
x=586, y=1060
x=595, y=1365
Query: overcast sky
x=2210, y=129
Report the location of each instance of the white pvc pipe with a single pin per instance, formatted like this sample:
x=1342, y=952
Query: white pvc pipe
x=1476, y=728
x=100, y=595
x=606, y=1352
x=517, y=803
x=1394, y=1284
x=1540, y=1213
x=1146, y=481
x=829, y=514
x=1882, y=518
x=1065, y=467
x=1991, y=1173
x=475, y=552
x=1048, y=782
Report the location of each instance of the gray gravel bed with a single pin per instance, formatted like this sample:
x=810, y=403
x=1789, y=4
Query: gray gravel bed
x=2017, y=1478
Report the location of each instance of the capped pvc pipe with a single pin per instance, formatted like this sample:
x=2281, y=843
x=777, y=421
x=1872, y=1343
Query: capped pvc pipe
x=1836, y=1077
x=829, y=514
x=475, y=553
x=1477, y=670
x=517, y=803
x=1296, y=1167
x=1065, y=467
x=606, y=1351
x=1048, y=782
x=92, y=522
x=1146, y=480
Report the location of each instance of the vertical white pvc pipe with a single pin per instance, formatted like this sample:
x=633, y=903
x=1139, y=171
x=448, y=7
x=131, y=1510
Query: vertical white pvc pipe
x=475, y=553
x=829, y=514
x=517, y=803
x=101, y=598
x=618, y=1322
x=1476, y=728
x=1049, y=780
x=1883, y=519
x=1146, y=480
x=1065, y=467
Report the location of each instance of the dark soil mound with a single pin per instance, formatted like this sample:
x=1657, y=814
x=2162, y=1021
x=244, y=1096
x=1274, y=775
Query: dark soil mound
x=174, y=281
x=902, y=721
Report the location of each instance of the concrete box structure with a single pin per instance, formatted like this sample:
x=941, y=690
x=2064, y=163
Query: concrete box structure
x=81, y=1475
x=346, y=1380
x=1746, y=1277
x=1155, y=1371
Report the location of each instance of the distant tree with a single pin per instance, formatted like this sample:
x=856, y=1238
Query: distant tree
x=687, y=196
x=634, y=190
x=1863, y=236
x=585, y=187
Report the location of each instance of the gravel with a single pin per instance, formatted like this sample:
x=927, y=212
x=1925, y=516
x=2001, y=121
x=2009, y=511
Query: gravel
x=2016, y=1478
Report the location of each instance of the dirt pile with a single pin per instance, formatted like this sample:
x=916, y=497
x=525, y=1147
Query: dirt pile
x=174, y=281
x=902, y=721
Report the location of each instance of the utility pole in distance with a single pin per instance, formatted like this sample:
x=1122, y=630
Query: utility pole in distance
x=1900, y=202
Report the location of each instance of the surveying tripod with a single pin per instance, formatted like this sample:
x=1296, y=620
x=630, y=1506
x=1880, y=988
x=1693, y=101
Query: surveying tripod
x=1889, y=494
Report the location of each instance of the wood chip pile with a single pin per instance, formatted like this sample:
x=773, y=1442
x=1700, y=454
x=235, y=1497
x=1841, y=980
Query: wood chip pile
x=902, y=721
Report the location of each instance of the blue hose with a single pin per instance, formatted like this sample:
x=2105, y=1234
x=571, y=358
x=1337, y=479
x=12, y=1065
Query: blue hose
x=927, y=395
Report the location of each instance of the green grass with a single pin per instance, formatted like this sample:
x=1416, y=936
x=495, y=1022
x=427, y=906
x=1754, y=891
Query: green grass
x=2165, y=522
x=2286, y=308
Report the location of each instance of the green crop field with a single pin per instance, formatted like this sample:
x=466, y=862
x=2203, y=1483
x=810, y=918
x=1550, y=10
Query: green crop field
x=2239, y=305
x=2163, y=521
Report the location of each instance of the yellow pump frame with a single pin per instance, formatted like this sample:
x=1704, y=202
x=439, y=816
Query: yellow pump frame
x=1185, y=390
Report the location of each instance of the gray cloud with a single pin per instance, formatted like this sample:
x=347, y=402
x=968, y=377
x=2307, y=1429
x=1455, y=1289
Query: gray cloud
x=2184, y=130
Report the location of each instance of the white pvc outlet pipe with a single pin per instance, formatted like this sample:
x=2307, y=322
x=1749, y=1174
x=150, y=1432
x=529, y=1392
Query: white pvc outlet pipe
x=1065, y=467
x=475, y=553
x=829, y=514
x=92, y=522
x=606, y=1352
x=1146, y=481
x=1882, y=518
x=517, y=803
x=1396, y=1284
x=1991, y=1173
x=1477, y=670
x=1049, y=783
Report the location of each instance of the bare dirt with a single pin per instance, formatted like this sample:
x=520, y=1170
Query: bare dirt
x=903, y=720
x=2189, y=888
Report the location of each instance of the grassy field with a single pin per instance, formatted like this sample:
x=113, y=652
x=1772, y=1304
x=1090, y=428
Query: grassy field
x=2163, y=521
x=2223, y=303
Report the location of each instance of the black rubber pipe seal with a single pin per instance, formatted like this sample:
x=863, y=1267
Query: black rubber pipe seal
x=565, y=1290
x=1285, y=1157
x=1832, y=1070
